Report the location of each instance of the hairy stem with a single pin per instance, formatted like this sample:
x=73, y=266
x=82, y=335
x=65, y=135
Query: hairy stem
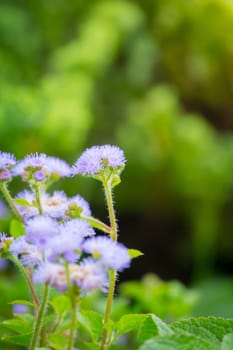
x=10, y=200
x=38, y=200
x=39, y=319
x=112, y=273
x=107, y=315
x=27, y=278
x=73, y=309
x=111, y=211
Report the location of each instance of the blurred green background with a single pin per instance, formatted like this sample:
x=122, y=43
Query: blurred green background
x=156, y=79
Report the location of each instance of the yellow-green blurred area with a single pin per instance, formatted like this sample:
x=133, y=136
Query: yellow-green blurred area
x=154, y=78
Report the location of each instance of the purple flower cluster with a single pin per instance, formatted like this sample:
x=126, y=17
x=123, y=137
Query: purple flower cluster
x=99, y=158
x=48, y=245
x=60, y=241
x=39, y=167
x=56, y=205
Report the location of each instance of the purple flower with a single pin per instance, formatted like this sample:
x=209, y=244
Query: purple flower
x=98, y=158
x=7, y=162
x=40, y=229
x=40, y=175
x=57, y=167
x=112, y=254
x=54, y=274
x=67, y=244
x=29, y=254
x=31, y=162
x=52, y=205
x=5, y=175
x=89, y=276
x=77, y=227
x=19, y=308
x=79, y=206
x=40, y=167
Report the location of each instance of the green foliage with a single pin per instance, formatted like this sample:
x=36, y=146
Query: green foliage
x=200, y=333
x=169, y=300
x=92, y=322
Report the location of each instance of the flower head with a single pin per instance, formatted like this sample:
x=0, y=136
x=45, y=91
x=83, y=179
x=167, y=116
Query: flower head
x=77, y=227
x=7, y=162
x=98, y=158
x=90, y=276
x=112, y=254
x=57, y=168
x=67, y=244
x=40, y=167
x=28, y=254
x=53, y=205
x=39, y=229
x=32, y=167
x=78, y=206
x=51, y=273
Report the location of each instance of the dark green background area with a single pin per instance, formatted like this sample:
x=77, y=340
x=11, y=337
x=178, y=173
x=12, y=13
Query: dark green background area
x=155, y=78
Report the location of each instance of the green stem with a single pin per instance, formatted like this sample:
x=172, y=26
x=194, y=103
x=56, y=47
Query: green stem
x=112, y=273
x=112, y=218
x=97, y=223
x=57, y=323
x=28, y=279
x=38, y=200
x=73, y=300
x=10, y=200
x=112, y=282
x=40, y=317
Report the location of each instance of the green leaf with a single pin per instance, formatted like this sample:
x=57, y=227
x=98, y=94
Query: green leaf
x=16, y=228
x=134, y=253
x=57, y=341
x=178, y=342
x=129, y=322
x=21, y=324
x=60, y=303
x=22, y=302
x=227, y=342
x=92, y=322
x=209, y=328
x=22, y=339
x=92, y=346
x=151, y=327
x=23, y=202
